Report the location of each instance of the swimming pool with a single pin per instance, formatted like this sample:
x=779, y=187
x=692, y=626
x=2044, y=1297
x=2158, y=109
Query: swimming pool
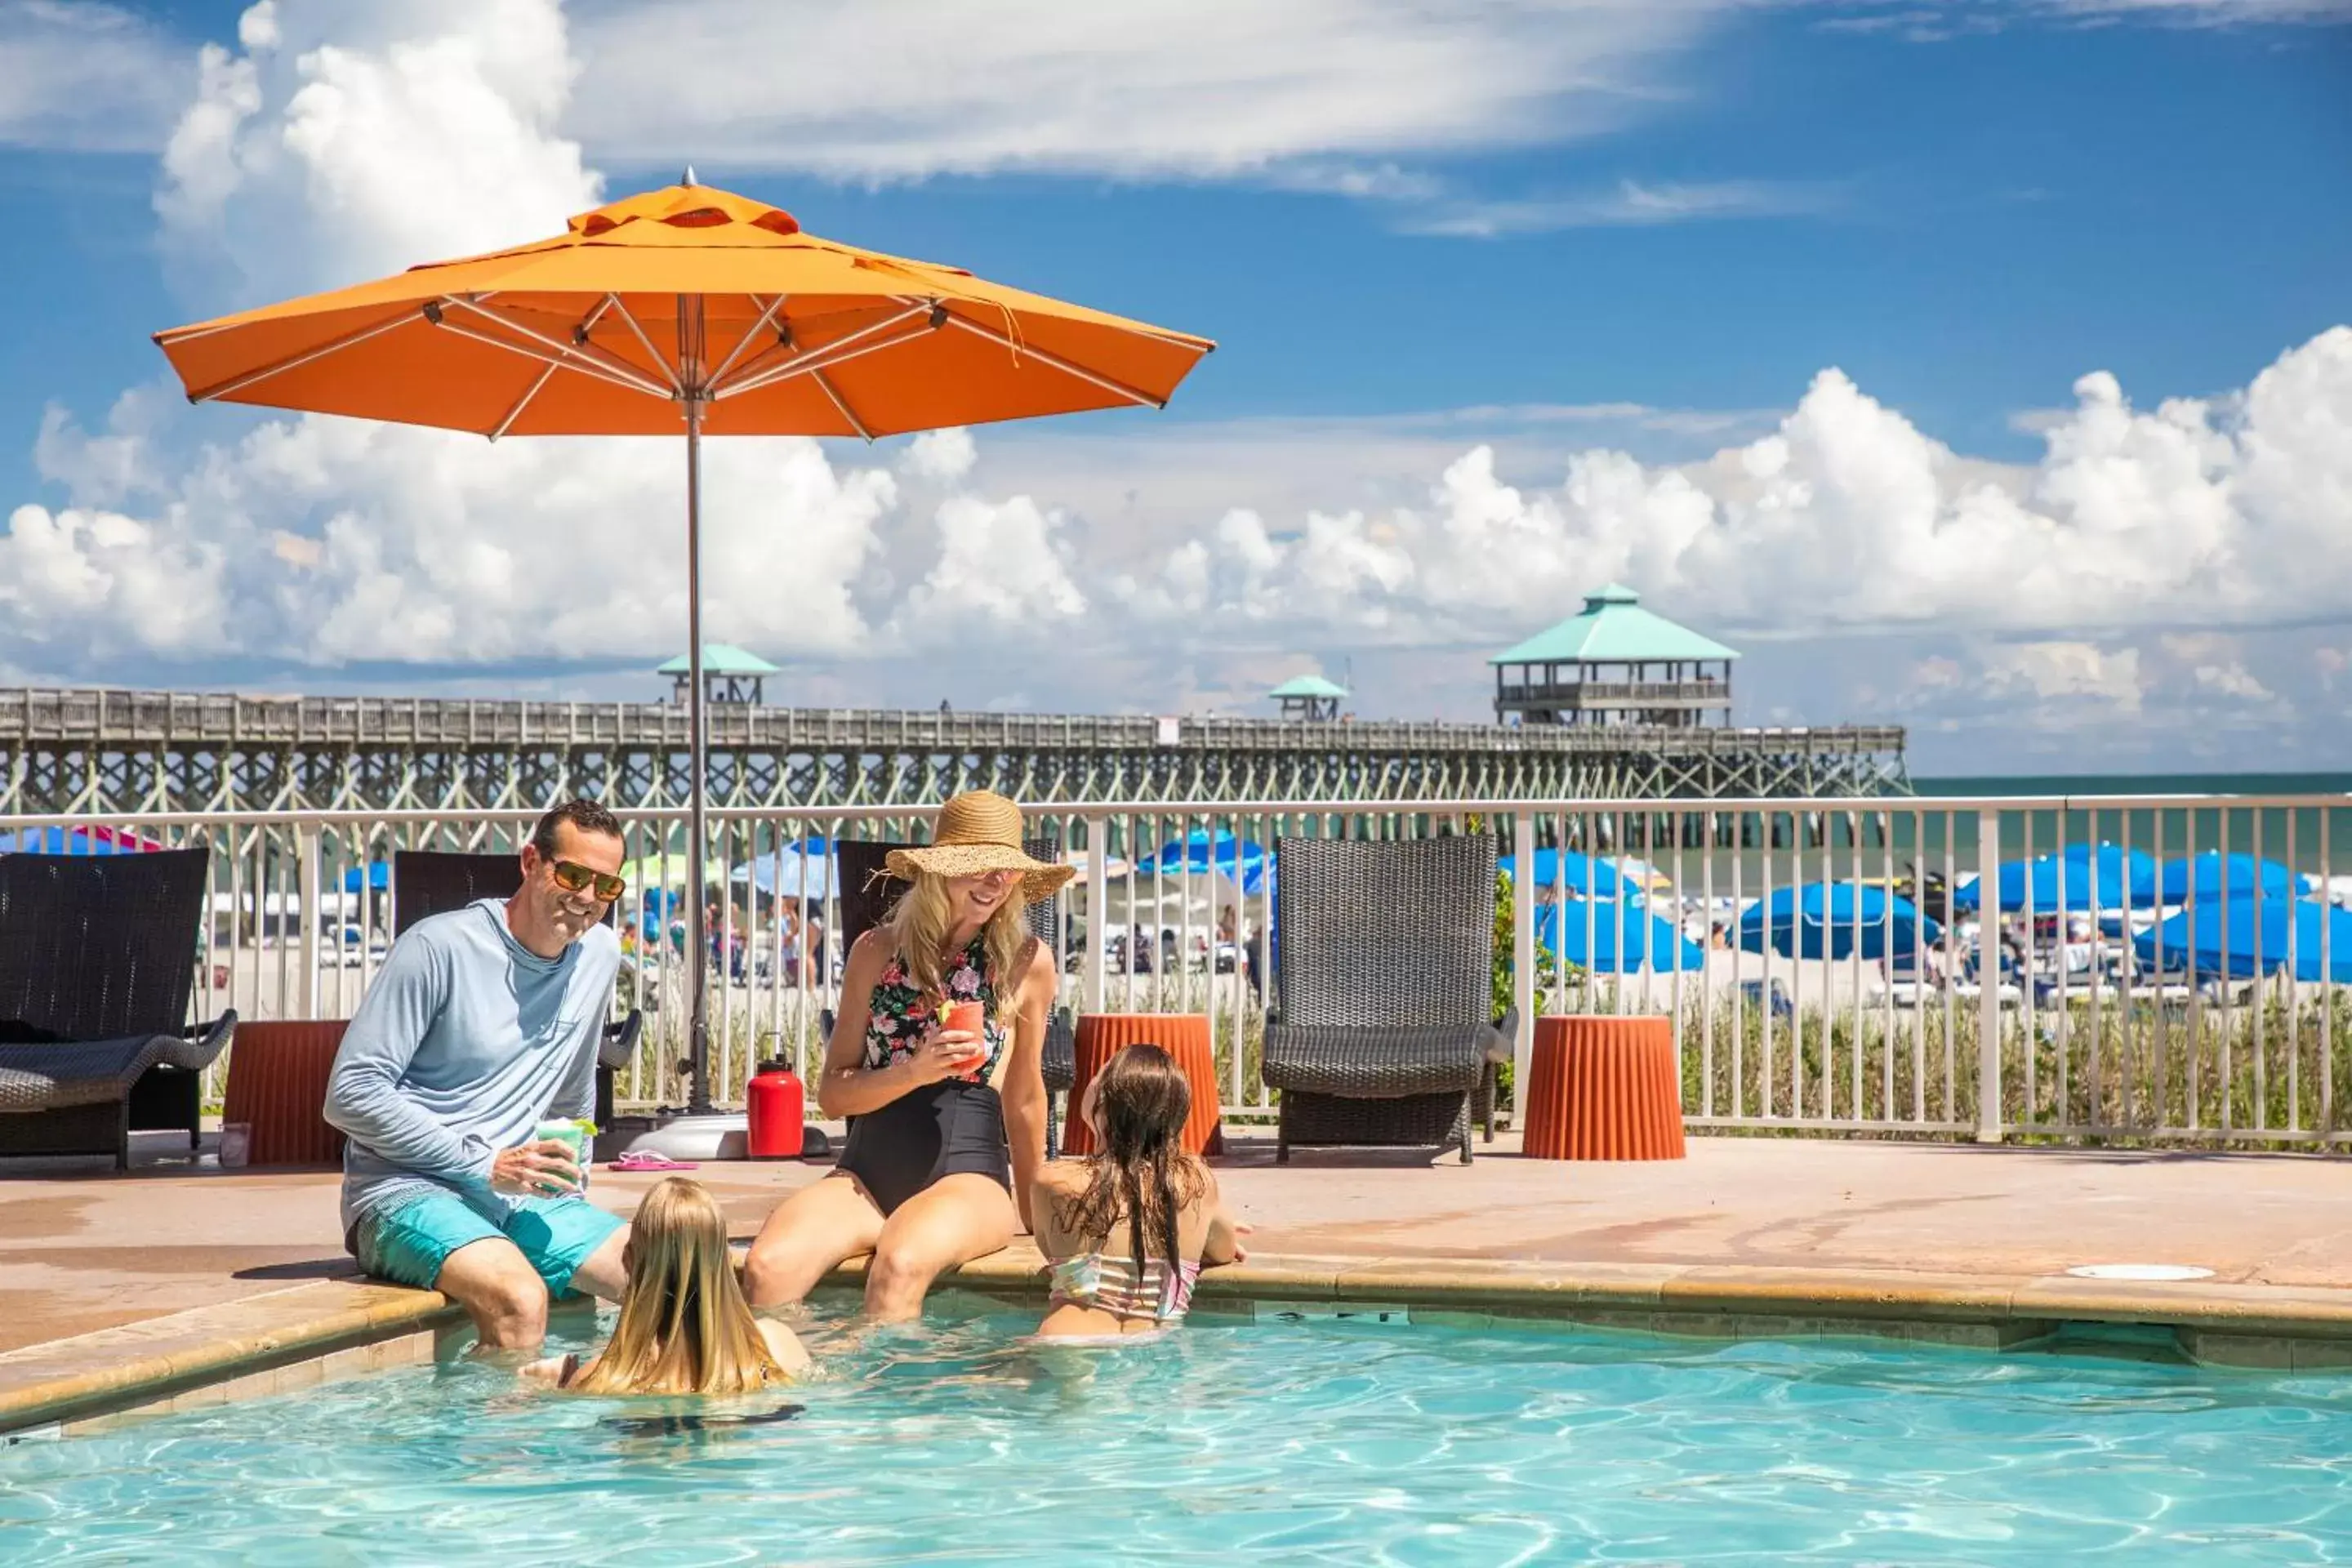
x=1309, y=1442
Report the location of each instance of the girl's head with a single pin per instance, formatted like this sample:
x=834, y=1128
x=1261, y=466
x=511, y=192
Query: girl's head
x=685, y=1327
x=1136, y=1106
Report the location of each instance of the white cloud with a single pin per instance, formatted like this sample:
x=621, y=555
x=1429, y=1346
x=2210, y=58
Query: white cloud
x=941, y=456
x=88, y=76
x=339, y=144
x=1327, y=90
x=1631, y=205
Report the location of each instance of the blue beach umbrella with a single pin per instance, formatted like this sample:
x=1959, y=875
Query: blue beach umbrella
x=2252, y=936
x=1198, y=850
x=2080, y=876
x=1584, y=875
x=1611, y=938
x=793, y=873
x=1814, y=921
x=2213, y=875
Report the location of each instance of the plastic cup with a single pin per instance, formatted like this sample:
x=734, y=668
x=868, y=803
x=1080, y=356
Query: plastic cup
x=569, y=1131
x=971, y=1018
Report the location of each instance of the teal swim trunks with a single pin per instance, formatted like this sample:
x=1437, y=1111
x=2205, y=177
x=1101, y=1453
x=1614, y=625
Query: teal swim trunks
x=408, y=1243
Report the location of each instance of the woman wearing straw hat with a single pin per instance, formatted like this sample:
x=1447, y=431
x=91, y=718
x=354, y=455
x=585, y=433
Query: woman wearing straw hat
x=929, y=1176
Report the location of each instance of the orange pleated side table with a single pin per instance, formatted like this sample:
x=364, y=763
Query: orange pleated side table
x=277, y=1083
x=1604, y=1089
x=1184, y=1036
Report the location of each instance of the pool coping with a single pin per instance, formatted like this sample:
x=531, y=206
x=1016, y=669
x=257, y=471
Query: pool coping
x=307, y=1333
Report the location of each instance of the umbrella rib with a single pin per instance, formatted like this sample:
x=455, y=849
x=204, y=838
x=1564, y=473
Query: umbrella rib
x=745, y=340
x=824, y=354
x=1067, y=367
x=516, y=412
x=825, y=384
x=586, y=367
x=295, y=361
x=611, y=365
x=676, y=385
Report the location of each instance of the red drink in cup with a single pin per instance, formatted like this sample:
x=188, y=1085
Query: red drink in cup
x=971, y=1018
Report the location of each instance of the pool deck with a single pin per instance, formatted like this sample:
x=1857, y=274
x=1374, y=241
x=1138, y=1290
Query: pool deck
x=177, y=1273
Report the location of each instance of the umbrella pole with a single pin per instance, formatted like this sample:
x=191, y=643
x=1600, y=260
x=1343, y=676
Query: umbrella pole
x=696, y=937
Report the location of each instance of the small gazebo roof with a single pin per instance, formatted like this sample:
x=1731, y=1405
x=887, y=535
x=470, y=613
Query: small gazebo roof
x=722, y=658
x=1615, y=629
x=1309, y=686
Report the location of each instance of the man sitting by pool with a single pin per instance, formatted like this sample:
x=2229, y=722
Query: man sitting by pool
x=483, y=1023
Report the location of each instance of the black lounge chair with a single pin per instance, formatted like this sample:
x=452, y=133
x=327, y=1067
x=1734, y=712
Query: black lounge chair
x=1383, y=1035
x=435, y=881
x=98, y=959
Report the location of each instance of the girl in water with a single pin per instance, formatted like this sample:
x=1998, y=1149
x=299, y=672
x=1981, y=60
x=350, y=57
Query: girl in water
x=685, y=1327
x=1127, y=1230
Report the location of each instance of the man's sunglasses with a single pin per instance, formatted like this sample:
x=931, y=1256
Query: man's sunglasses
x=572, y=877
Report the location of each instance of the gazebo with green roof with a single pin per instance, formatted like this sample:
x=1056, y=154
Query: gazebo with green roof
x=1310, y=697
x=1615, y=663
x=729, y=675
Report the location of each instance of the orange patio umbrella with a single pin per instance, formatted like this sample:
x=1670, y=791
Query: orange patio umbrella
x=685, y=311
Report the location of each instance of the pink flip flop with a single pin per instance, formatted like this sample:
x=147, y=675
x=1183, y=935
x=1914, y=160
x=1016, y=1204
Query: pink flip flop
x=646, y=1160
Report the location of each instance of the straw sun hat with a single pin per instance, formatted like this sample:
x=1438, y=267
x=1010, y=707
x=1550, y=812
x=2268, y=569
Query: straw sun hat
x=979, y=831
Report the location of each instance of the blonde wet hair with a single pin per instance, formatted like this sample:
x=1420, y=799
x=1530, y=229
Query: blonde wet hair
x=685, y=1326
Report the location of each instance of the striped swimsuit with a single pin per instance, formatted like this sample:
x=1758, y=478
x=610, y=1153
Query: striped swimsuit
x=1114, y=1285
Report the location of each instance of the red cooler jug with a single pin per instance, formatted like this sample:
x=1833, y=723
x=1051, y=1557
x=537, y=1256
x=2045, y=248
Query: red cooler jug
x=777, y=1109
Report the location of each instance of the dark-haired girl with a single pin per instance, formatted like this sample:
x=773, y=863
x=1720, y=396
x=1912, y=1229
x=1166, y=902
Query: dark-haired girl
x=1127, y=1231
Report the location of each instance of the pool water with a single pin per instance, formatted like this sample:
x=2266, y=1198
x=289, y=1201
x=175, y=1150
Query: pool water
x=953, y=1442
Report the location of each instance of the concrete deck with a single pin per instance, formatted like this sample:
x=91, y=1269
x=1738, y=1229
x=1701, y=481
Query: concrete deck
x=1742, y=1221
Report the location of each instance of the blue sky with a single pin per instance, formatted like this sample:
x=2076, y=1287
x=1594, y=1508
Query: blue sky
x=1648, y=232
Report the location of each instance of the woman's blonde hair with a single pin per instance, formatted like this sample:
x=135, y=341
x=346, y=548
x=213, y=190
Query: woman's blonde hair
x=918, y=929
x=685, y=1327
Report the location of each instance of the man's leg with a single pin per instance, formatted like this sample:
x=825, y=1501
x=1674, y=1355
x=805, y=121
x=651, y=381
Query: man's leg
x=828, y=1220
x=573, y=1245
x=954, y=1220
x=499, y=1289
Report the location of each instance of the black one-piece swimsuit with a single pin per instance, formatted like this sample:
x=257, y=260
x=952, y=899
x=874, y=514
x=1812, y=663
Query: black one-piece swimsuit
x=942, y=1128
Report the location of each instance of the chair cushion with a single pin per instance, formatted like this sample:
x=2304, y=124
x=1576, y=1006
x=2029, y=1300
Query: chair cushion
x=1381, y=1064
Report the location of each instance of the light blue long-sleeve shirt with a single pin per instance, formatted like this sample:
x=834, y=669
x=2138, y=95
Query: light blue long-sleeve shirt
x=466, y=1040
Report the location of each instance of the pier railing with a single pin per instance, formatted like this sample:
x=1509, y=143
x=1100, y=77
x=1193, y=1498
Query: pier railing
x=2127, y=1000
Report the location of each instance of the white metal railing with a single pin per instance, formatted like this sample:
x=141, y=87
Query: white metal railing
x=2080, y=1026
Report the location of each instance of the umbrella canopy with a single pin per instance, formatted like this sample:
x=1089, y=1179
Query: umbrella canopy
x=76, y=840
x=791, y=873
x=1606, y=937
x=683, y=311
x=1815, y=921
x=1197, y=851
x=2250, y=936
x=2079, y=876
x=375, y=874
x=1587, y=876
x=2214, y=875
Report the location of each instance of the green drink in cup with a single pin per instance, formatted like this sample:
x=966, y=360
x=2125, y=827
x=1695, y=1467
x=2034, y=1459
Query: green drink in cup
x=572, y=1131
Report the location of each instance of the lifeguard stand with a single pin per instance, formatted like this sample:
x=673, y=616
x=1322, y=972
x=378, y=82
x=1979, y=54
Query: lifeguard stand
x=729, y=675
x=1310, y=699
x=1615, y=663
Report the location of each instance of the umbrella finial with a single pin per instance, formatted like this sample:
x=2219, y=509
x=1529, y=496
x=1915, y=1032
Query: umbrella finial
x=687, y=178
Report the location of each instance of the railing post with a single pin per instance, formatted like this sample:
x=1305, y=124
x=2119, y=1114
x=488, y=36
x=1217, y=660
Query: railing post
x=306, y=862
x=1523, y=956
x=1097, y=899
x=1988, y=977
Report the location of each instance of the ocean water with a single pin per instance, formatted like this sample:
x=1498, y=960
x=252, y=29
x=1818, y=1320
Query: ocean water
x=954, y=1442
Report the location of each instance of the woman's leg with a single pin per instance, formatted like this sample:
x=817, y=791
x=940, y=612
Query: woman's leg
x=810, y=1232
x=954, y=1220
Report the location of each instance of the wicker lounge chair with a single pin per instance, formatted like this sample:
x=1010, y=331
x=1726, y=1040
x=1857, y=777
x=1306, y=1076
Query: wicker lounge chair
x=1383, y=1035
x=865, y=897
x=434, y=881
x=98, y=952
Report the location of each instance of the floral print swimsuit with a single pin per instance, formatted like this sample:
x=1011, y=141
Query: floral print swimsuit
x=953, y=1127
x=898, y=1015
